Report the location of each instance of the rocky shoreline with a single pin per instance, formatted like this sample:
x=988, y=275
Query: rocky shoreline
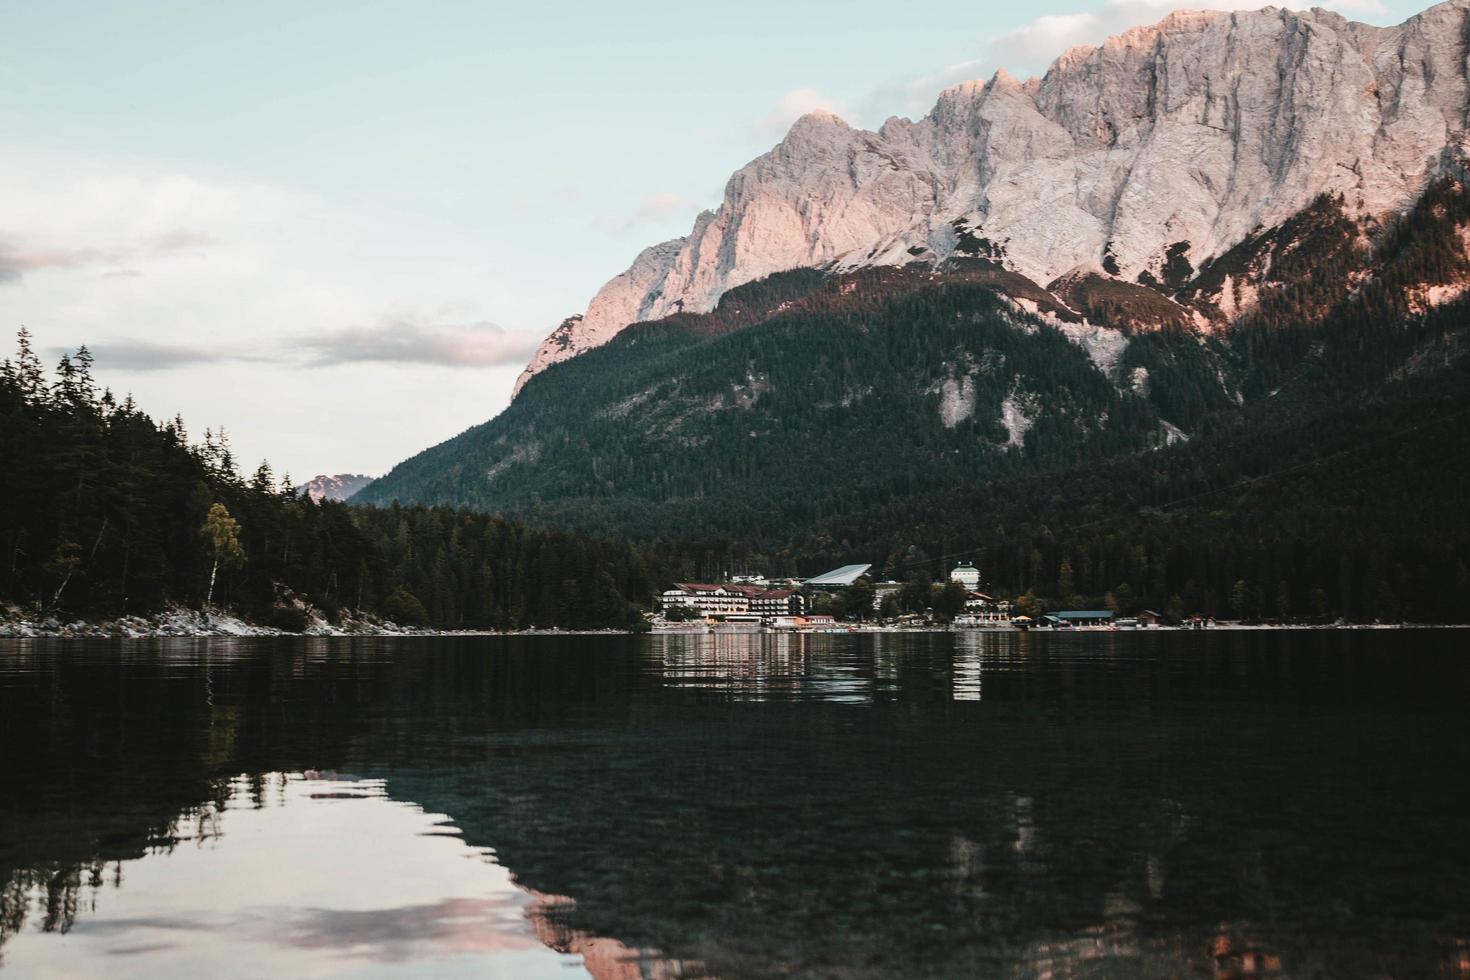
x=181, y=622
x=189, y=623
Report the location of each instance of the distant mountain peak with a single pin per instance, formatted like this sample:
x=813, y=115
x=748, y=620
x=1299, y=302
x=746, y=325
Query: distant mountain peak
x=338, y=488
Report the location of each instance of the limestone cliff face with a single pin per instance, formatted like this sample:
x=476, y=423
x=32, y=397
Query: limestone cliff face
x=1140, y=160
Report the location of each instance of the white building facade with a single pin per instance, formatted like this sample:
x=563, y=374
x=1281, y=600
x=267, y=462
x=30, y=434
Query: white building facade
x=966, y=575
x=735, y=600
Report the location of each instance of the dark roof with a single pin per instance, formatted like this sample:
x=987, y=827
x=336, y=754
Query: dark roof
x=1084, y=614
x=745, y=590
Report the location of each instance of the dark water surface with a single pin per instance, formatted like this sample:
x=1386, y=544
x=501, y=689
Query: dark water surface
x=1092, y=805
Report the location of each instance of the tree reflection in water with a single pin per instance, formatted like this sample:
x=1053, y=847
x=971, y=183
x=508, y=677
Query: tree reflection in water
x=294, y=902
x=1170, y=805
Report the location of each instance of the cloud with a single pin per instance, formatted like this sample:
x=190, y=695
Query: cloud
x=657, y=207
x=1031, y=48
x=401, y=340
x=128, y=353
x=19, y=257
x=17, y=260
x=397, y=340
x=791, y=107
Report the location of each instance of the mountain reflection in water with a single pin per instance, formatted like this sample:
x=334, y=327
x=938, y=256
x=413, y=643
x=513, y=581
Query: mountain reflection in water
x=1285, y=804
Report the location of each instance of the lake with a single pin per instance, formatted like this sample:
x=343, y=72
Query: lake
x=1280, y=804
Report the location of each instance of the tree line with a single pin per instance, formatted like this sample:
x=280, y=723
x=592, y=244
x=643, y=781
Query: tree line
x=106, y=512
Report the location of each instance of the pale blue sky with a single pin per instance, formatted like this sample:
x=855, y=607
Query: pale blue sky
x=302, y=219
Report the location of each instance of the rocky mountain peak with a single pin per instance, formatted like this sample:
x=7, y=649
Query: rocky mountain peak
x=335, y=488
x=1146, y=157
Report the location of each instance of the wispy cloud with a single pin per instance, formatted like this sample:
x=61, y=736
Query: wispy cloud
x=397, y=340
x=131, y=354
x=20, y=256
x=403, y=340
x=16, y=260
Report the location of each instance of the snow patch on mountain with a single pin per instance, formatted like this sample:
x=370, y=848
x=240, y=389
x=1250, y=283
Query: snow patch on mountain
x=1104, y=345
x=1018, y=414
x=1173, y=435
x=956, y=399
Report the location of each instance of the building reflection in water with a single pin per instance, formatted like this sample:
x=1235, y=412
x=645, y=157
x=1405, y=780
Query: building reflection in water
x=829, y=667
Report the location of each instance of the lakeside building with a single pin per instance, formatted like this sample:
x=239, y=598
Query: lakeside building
x=733, y=601
x=779, y=602
x=984, y=610
x=966, y=574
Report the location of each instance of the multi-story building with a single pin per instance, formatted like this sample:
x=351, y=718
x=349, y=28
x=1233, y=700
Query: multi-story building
x=778, y=602
x=734, y=600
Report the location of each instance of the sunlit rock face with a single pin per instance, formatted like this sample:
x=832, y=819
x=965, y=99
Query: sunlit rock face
x=1142, y=159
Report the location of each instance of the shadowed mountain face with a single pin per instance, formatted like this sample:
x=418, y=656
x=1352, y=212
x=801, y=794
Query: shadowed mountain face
x=1167, y=805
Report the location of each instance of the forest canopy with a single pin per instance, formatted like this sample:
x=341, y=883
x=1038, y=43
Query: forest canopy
x=104, y=511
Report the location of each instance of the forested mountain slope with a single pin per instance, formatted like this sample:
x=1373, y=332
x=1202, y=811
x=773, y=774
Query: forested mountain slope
x=813, y=418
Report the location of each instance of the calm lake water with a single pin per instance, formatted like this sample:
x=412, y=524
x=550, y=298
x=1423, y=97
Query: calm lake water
x=1090, y=805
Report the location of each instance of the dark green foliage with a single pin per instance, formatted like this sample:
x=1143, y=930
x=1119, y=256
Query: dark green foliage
x=1115, y=303
x=1178, y=270
x=292, y=619
x=404, y=608
x=1358, y=511
x=831, y=406
x=1183, y=377
x=1303, y=266
x=102, y=510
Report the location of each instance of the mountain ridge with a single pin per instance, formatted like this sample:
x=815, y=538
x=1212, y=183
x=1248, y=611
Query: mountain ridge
x=893, y=380
x=1142, y=159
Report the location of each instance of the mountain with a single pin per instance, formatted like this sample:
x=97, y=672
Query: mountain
x=808, y=396
x=339, y=487
x=1140, y=162
x=1259, y=378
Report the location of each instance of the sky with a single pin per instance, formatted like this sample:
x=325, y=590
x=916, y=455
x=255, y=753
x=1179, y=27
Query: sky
x=339, y=228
